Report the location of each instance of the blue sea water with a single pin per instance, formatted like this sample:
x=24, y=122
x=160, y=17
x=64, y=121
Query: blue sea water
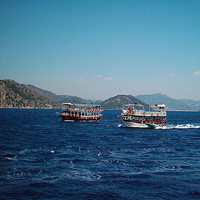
x=43, y=158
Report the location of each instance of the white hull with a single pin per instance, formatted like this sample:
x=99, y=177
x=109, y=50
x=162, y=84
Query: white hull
x=155, y=126
x=135, y=125
x=134, y=115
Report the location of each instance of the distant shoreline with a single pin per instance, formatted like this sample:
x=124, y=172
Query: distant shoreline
x=103, y=109
x=29, y=108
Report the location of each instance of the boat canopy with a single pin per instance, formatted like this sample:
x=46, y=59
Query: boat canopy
x=141, y=107
x=158, y=107
x=96, y=104
x=80, y=106
x=67, y=104
x=134, y=106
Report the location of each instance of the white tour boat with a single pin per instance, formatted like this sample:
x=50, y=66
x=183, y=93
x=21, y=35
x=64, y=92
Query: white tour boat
x=134, y=115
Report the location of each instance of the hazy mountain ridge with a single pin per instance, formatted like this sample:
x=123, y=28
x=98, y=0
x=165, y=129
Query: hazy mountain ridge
x=15, y=95
x=50, y=95
x=193, y=105
x=171, y=104
x=59, y=99
x=115, y=103
x=111, y=103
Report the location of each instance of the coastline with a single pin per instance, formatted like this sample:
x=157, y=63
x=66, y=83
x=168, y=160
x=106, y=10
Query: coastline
x=103, y=109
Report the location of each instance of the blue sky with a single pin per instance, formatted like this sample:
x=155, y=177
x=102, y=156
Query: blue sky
x=96, y=49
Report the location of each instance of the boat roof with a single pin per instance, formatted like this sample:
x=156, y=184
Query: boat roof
x=67, y=104
x=81, y=104
x=140, y=105
x=96, y=104
x=161, y=105
x=133, y=104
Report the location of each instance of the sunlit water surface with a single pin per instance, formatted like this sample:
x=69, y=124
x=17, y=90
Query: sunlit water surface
x=43, y=158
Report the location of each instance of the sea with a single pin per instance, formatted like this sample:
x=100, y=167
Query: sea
x=42, y=157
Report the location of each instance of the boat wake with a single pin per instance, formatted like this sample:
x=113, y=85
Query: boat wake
x=181, y=126
x=169, y=126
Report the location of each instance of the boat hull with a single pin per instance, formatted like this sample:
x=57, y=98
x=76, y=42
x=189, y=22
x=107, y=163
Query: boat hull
x=135, y=124
x=71, y=118
x=156, y=126
x=140, y=122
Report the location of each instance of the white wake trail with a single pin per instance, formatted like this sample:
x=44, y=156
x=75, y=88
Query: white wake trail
x=180, y=126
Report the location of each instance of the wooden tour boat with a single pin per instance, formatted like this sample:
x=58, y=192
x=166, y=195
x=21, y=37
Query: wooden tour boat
x=78, y=112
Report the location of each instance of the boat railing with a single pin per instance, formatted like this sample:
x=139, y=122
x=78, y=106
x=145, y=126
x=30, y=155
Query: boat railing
x=80, y=107
x=142, y=112
x=156, y=113
x=83, y=109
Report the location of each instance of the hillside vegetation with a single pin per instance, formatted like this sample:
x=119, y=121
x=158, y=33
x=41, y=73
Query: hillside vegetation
x=15, y=95
x=118, y=101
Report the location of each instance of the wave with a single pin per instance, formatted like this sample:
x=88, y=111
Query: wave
x=170, y=126
x=180, y=126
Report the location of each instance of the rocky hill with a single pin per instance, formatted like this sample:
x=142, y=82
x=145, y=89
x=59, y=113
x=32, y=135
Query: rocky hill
x=118, y=101
x=15, y=95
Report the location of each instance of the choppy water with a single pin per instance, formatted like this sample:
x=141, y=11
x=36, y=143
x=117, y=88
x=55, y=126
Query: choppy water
x=42, y=158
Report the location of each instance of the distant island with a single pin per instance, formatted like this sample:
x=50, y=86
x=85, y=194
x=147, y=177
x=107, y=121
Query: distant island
x=15, y=95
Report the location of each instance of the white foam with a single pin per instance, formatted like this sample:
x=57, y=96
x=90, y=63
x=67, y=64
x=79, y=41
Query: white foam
x=187, y=126
x=180, y=126
x=169, y=126
x=119, y=125
x=165, y=127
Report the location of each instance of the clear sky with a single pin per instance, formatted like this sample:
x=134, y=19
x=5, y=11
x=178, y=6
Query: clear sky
x=96, y=49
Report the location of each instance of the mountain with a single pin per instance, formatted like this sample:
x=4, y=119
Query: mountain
x=193, y=105
x=72, y=99
x=50, y=95
x=59, y=99
x=118, y=101
x=15, y=95
x=171, y=104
